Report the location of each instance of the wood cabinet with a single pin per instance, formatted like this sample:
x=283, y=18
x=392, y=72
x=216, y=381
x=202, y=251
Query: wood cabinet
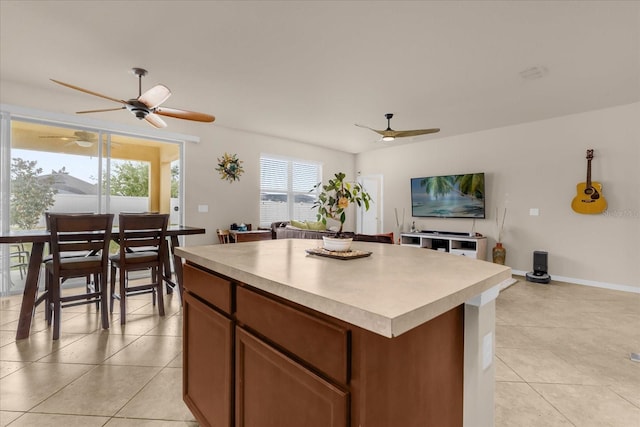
x=274, y=390
x=207, y=382
x=255, y=359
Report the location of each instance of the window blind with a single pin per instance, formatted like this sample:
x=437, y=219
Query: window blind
x=285, y=186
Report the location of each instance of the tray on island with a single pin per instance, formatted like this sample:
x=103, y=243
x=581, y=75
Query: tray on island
x=344, y=255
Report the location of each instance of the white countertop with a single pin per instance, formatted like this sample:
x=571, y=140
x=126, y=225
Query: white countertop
x=390, y=292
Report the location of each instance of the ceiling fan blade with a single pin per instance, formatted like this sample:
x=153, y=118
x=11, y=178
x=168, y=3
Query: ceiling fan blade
x=155, y=121
x=89, y=92
x=77, y=135
x=101, y=110
x=389, y=134
x=406, y=133
x=381, y=132
x=155, y=96
x=61, y=138
x=184, y=114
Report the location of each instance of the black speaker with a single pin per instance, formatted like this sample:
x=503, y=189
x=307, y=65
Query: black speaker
x=540, y=262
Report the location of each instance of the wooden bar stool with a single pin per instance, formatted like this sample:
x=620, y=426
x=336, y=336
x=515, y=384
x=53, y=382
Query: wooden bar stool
x=90, y=284
x=137, y=231
x=223, y=236
x=73, y=234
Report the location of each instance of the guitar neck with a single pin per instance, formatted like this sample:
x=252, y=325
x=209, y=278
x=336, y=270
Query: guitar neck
x=588, y=173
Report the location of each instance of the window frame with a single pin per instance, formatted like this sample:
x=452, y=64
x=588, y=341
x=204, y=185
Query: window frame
x=289, y=191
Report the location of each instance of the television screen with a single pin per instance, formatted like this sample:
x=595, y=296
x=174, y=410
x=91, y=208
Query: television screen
x=448, y=196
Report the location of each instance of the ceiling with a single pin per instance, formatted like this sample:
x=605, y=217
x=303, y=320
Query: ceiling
x=308, y=71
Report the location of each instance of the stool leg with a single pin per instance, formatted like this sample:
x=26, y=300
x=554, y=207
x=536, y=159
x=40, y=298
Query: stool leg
x=57, y=309
x=154, y=280
x=158, y=282
x=123, y=296
x=48, y=300
x=96, y=285
x=103, y=300
x=112, y=290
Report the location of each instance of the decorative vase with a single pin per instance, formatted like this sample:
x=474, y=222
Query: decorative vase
x=499, y=253
x=336, y=244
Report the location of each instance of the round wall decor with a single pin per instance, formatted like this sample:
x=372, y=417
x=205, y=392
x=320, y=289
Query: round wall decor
x=230, y=167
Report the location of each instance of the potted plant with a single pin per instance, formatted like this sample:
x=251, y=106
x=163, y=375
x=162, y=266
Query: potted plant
x=334, y=199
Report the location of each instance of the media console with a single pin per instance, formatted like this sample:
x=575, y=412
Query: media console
x=452, y=242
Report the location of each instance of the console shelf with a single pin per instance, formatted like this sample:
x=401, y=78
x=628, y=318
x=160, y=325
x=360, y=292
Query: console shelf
x=457, y=244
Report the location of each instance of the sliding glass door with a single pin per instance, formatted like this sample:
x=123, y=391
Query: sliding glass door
x=58, y=168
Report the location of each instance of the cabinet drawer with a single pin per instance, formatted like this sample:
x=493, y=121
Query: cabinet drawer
x=213, y=289
x=322, y=344
x=464, y=252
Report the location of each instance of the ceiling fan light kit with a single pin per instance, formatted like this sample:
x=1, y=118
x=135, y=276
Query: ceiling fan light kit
x=147, y=105
x=84, y=144
x=389, y=134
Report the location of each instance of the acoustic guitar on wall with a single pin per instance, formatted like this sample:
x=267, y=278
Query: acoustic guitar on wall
x=589, y=198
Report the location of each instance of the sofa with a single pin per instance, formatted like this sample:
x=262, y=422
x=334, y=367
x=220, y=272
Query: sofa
x=284, y=230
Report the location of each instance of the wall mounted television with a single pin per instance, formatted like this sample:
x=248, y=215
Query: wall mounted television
x=448, y=196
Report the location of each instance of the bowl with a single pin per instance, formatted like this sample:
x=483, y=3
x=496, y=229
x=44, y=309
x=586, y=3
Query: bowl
x=336, y=244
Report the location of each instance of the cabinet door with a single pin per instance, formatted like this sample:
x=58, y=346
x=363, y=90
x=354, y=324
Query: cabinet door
x=272, y=390
x=207, y=371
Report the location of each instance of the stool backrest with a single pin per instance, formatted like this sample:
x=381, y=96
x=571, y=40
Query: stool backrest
x=146, y=231
x=80, y=233
x=47, y=214
x=223, y=235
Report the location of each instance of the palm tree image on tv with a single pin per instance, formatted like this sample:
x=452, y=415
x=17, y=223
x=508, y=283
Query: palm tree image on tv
x=454, y=196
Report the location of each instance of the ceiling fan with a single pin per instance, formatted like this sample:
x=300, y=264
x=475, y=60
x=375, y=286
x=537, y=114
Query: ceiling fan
x=81, y=138
x=389, y=134
x=146, y=105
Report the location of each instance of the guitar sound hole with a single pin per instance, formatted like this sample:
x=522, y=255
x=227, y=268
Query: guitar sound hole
x=588, y=190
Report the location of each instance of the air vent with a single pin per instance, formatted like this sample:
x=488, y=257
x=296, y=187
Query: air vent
x=533, y=73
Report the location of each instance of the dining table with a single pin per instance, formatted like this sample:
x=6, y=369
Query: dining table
x=38, y=238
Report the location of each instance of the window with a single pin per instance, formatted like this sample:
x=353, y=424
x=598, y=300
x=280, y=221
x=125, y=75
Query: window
x=285, y=186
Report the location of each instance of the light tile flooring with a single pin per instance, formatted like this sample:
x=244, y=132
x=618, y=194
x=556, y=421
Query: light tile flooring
x=563, y=356
x=562, y=359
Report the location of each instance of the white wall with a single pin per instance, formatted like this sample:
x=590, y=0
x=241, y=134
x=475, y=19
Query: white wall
x=537, y=165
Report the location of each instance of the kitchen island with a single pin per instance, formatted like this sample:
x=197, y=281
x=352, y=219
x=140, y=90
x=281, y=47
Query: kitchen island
x=274, y=336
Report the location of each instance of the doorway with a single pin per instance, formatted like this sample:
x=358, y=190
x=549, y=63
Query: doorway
x=371, y=221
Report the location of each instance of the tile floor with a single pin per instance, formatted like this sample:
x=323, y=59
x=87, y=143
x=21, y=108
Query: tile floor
x=562, y=359
x=563, y=356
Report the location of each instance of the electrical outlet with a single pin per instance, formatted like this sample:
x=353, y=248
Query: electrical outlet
x=203, y=208
x=534, y=211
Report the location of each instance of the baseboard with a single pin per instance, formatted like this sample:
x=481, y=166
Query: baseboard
x=604, y=285
x=506, y=283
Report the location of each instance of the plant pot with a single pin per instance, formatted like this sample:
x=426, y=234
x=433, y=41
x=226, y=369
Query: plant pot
x=499, y=253
x=336, y=244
